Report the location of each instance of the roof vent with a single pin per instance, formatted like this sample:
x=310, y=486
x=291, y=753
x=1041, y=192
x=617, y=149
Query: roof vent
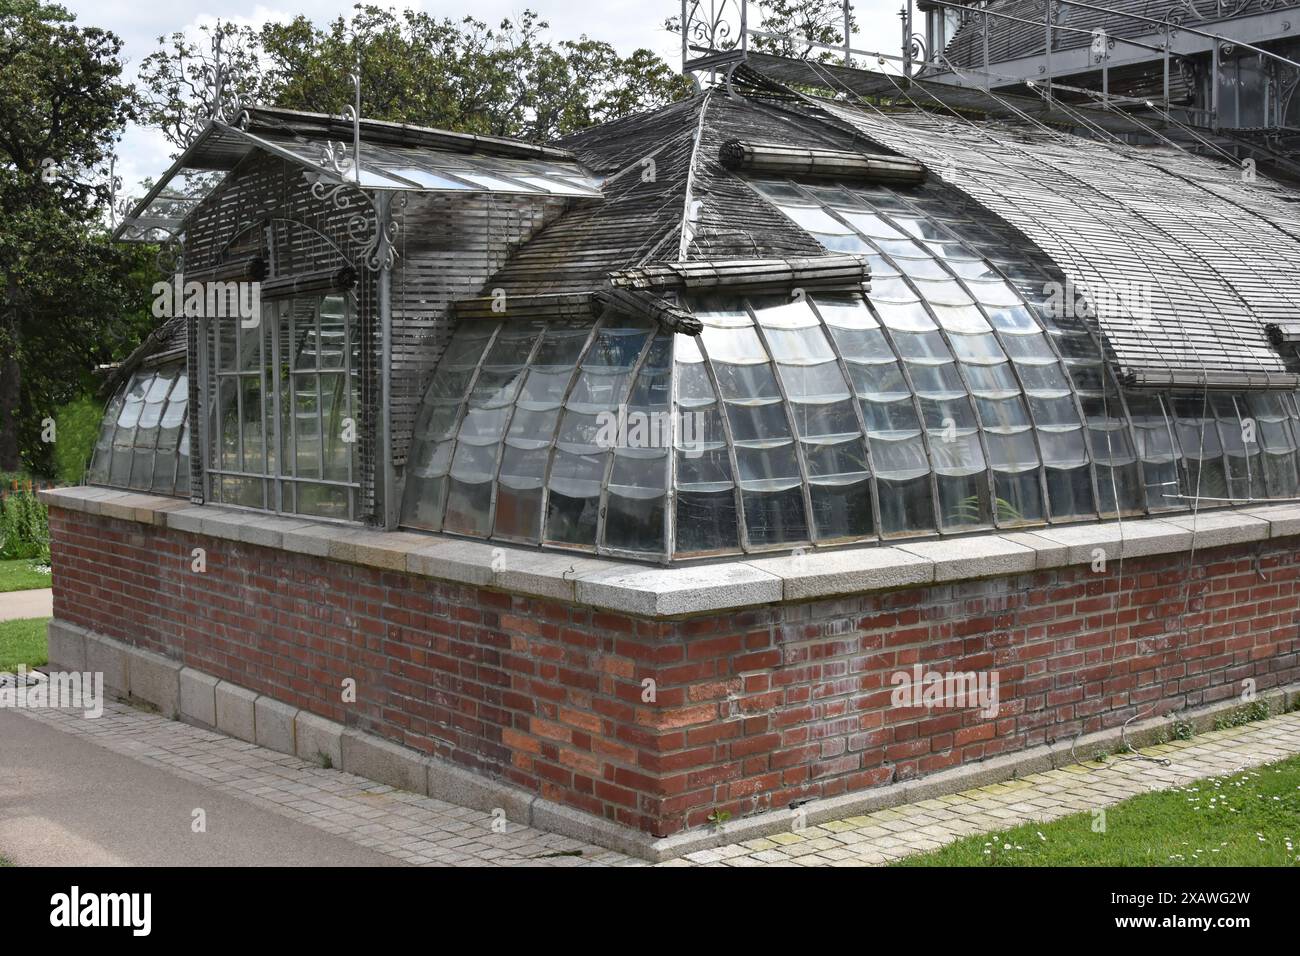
x=845, y=272
x=830, y=163
x=1283, y=333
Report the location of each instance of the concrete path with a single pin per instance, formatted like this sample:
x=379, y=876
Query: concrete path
x=65, y=801
x=253, y=790
x=15, y=605
x=124, y=786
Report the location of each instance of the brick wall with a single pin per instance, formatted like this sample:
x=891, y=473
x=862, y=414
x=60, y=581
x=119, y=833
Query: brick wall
x=752, y=709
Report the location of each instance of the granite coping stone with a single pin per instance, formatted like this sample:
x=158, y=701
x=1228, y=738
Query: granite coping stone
x=826, y=574
x=670, y=592
x=979, y=557
x=1047, y=554
x=1222, y=528
x=659, y=592
x=1129, y=538
x=268, y=531
x=1283, y=520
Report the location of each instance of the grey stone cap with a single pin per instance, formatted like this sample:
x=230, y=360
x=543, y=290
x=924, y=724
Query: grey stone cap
x=659, y=592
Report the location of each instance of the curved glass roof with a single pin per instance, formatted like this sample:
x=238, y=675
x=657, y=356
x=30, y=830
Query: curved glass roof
x=949, y=399
x=144, y=439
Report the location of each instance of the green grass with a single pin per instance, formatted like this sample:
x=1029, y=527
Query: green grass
x=20, y=575
x=23, y=642
x=1249, y=818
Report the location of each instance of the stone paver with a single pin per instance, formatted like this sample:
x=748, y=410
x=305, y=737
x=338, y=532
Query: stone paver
x=425, y=831
x=875, y=839
x=407, y=826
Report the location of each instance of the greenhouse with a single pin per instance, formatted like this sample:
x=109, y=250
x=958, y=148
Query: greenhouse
x=618, y=476
x=986, y=369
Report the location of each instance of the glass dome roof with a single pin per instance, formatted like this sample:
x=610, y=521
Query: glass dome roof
x=949, y=399
x=144, y=437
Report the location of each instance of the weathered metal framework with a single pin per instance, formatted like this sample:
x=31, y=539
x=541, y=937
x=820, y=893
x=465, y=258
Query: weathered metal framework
x=842, y=323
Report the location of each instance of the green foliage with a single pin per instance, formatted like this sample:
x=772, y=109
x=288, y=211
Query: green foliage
x=464, y=75
x=970, y=511
x=1240, y=716
x=800, y=24
x=23, y=642
x=1184, y=730
x=24, y=527
x=1245, y=819
x=24, y=574
x=77, y=426
x=69, y=299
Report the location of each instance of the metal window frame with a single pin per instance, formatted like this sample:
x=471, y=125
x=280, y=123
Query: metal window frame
x=283, y=476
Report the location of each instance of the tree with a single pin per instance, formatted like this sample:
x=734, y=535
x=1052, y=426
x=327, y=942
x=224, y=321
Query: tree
x=461, y=75
x=796, y=28
x=176, y=96
x=805, y=27
x=66, y=295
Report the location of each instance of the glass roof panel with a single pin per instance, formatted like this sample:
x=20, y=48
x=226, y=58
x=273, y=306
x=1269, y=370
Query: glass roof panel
x=941, y=400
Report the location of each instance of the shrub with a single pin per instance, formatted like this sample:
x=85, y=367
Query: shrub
x=76, y=428
x=24, y=527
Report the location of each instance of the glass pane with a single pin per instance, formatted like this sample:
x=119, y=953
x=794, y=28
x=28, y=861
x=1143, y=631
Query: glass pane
x=905, y=504
x=844, y=312
x=254, y=453
x=903, y=316
x=706, y=521
x=322, y=500
x=573, y=501
x=891, y=420
x=819, y=384
x=133, y=404
x=306, y=450
x=1121, y=480
x=332, y=339
x=469, y=504
x=1012, y=451
x=964, y=500
x=879, y=383
x=978, y=349
x=842, y=509
x=1053, y=409
x=635, y=524
x=922, y=347
x=825, y=420
x=1063, y=447
x=957, y=453
x=634, y=518
x=899, y=459
x=1069, y=492
x=775, y=516
x=738, y=345
x=992, y=381
x=1019, y=499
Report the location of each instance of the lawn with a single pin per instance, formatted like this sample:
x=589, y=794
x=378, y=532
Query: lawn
x=23, y=642
x=20, y=575
x=1249, y=818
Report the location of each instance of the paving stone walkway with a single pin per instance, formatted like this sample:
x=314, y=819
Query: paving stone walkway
x=424, y=831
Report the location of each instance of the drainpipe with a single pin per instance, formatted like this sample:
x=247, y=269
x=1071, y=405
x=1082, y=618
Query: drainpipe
x=388, y=474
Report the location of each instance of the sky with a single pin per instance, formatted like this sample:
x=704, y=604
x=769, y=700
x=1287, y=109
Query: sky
x=627, y=24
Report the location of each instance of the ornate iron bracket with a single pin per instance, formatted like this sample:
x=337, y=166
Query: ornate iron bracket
x=378, y=249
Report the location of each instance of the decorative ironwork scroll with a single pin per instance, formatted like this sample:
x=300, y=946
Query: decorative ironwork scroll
x=713, y=25
x=219, y=98
x=378, y=248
